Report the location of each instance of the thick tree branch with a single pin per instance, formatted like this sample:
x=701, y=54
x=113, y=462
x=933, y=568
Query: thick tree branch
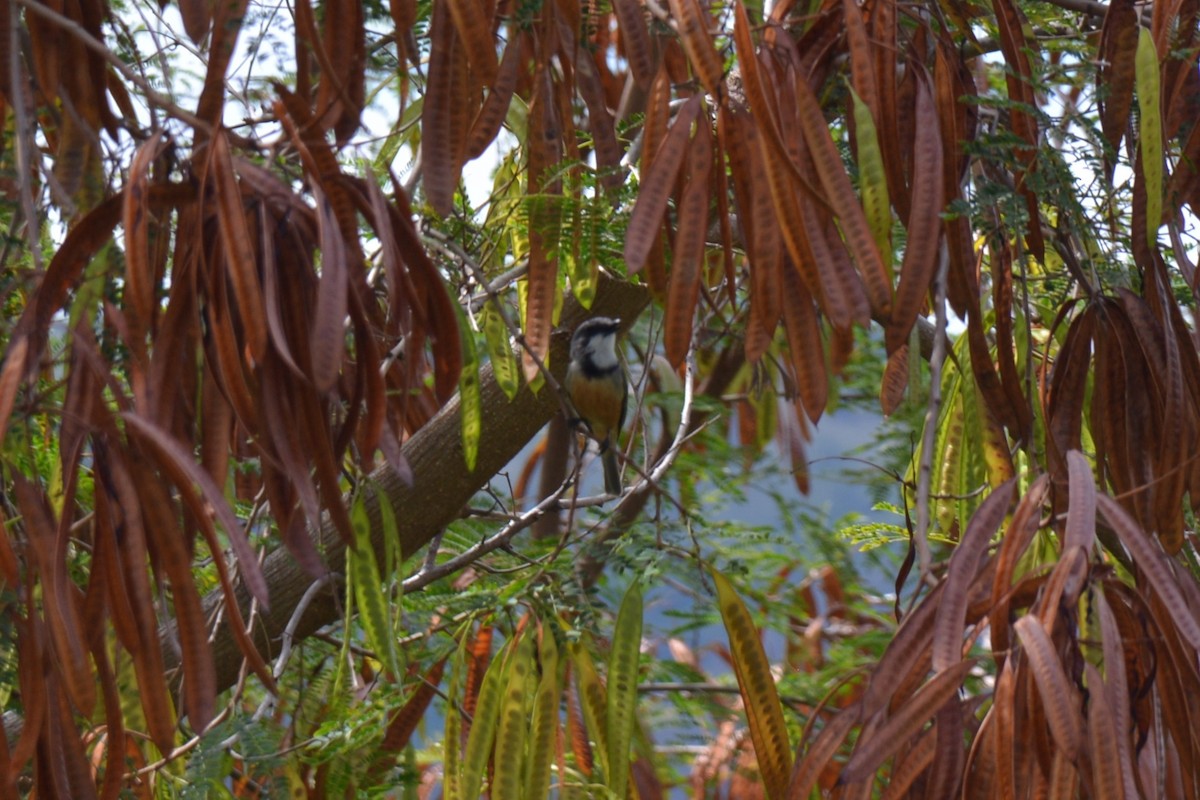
x=442, y=486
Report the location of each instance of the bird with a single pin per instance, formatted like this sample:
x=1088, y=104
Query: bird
x=596, y=385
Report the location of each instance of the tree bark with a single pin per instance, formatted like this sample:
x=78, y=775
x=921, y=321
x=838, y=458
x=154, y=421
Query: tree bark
x=441, y=487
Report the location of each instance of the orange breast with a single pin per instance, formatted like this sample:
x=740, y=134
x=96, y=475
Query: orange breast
x=598, y=403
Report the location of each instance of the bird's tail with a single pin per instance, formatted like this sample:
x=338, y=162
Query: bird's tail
x=612, y=471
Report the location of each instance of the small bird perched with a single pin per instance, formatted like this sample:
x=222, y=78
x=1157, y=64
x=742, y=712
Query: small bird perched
x=596, y=385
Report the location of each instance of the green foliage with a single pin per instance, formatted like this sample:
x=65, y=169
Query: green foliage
x=258, y=360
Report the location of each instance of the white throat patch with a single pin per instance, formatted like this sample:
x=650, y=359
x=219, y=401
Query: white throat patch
x=603, y=352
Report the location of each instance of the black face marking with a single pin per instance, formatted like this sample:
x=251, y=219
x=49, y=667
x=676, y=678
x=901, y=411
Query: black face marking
x=589, y=369
x=586, y=333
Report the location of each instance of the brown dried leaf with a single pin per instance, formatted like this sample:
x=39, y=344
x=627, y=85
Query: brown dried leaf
x=225, y=355
x=924, y=222
x=136, y=218
x=760, y=326
x=1156, y=566
x=883, y=31
x=119, y=513
x=434, y=303
x=761, y=104
x=440, y=163
x=950, y=758
x=737, y=136
x=635, y=40
x=656, y=185
x=70, y=763
x=793, y=435
x=31, y=645
x=227, y=24
x=404, y=722
x=114, y=722
x=173, y=370
x=284, y=439
x=1115, y=73
x=272, y=287
x=683, y=291
x=1017, y=49
x=836, y=183
x=174, y=554
x=545, y=151
x=475, y=32
x=197, y=14
x=327, y=342
x=692, y=24
x=957, y=125
x=763, y=241
x=803, y=234
x=1107, y=783
x=83, y=240
x=819, y=755
x=107, y=560
x=238, y=246
x=340, y=50
x=905, y=721
x=1063, y=781
x=1021, y=529
x=581, y=746
x=10, y=379
x=1062, y=588
x=909, y=647
x=495, y=106
x=1068, y=382
x=480, y=657
x=725, y=217
x=1057, y=697
x=58, y=596
x=1080, y=530
x=1116, y=687
x=216, y=429
x=895, y=380
x=600, y=122
x=1169, y=459
x=1011, y=379
x=370, y=393
x=910, y=765
x=862, y=67
x=658, y=117
x=178, y=462
x=964, y=566
x=805, y=346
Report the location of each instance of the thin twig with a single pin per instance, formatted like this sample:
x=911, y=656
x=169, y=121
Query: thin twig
x=289, y=632
x=425, y=576
x=925, y=473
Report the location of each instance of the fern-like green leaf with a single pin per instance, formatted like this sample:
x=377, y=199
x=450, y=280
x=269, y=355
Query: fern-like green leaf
x=483, y=727
x=504, y=363
x=622, y=688
x=370, y=594
x=514, y=717
x=469, y=394
x=763, y=710
x=544, y=722
x=592, y=701
x=1146, y=62
x=872, y=180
